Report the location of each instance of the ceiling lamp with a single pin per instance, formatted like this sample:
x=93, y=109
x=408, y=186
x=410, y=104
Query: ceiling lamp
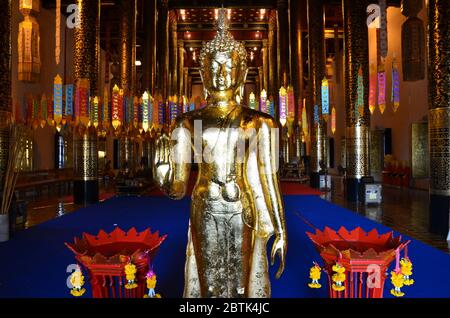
x=229, y=14
x=216, y=14
x=262, y=12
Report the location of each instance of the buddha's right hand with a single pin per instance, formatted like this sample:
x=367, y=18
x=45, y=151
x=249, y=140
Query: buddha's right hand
x=162, y=166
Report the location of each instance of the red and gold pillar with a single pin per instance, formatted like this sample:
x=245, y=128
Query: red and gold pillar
x=86, y=66
x=149, y=57
x=128, y=46
x=316, y=74
x=357, y=120
x=5, y=87
x=173, y=56
x=163, y=50
x=439, y=114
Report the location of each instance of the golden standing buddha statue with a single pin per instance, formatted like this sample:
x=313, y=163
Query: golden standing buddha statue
x=236, y=202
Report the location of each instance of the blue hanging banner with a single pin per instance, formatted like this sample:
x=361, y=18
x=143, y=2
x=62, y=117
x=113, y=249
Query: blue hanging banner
x=316, y=114
x=69, y=101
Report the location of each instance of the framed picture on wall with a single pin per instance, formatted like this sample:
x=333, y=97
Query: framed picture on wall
x=419, y=152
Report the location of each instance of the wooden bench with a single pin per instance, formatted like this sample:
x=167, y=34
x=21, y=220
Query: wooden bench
x=50, y=179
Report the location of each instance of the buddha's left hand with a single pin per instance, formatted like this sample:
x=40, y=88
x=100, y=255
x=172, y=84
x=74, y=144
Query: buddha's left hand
x=279, y=247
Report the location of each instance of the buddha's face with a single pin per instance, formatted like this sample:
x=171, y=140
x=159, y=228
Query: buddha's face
x=223, y=72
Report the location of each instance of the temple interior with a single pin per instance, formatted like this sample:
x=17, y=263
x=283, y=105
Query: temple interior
x=359, y=92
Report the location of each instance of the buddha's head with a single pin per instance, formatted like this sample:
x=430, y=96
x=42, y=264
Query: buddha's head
x=223, y=62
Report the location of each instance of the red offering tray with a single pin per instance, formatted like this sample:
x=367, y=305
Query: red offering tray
x=365, y=256
x=105, y=256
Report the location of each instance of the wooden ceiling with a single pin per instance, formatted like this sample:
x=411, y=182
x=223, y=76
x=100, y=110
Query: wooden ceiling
x=196, y=24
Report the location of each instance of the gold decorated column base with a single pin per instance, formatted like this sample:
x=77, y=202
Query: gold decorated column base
x=85, y=166
x=318, y=152
x=126, y=152
x=439, y=131
x=357, y=153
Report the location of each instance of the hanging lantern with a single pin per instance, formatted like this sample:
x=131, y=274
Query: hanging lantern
x=333, y=120
x=94, y=112
x=381, y=87
x=29, y=66
x=325, y=98
x=57, y=100
x=263, y=101
x=304, y=119
x=283, y=102
x=58, y=31
x=372, y=88
x=395, y=86
x=43, y=112
x=69, y=103
x=360, y=90
x=252, y=101
x=145, y=112
x=116, y=107
x=82, y=101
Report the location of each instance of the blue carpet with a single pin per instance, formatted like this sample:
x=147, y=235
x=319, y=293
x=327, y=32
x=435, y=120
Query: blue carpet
x=34, y=262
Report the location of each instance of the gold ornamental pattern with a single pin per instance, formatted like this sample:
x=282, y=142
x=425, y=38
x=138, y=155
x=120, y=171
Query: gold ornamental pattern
x=5, y=55
x=357, y=142
x=439, y=132
x=86, y=157
x=87, y=46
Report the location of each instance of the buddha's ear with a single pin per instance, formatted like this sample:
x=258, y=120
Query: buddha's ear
x=205, y=91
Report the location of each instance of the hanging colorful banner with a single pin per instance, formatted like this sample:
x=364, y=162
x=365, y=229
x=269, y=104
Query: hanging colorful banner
x=161, y=113
x=252, y=101
x=156, y=110
x=333, y=120
x=372, y=88
x=94, y=111
x=290, y=102
x=116, y=107
x=383, y=38
x=145, y=112
x=381, y=88
x=136, y=112
x=82, y=101
x=263, y=101
x=150, y=111
x=395, y=86
x=316, y=114
x=105, y=114
x=360, y=98
x=304, y=119
x=283, y=105
x=271, y=109
x=50, y=121
x=173, y=107
x=325, y=97
x=57, y=100
x=69, y=102
x=43, y=111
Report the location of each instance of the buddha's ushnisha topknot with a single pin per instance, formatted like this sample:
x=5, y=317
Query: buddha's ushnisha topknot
x=223, y=42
